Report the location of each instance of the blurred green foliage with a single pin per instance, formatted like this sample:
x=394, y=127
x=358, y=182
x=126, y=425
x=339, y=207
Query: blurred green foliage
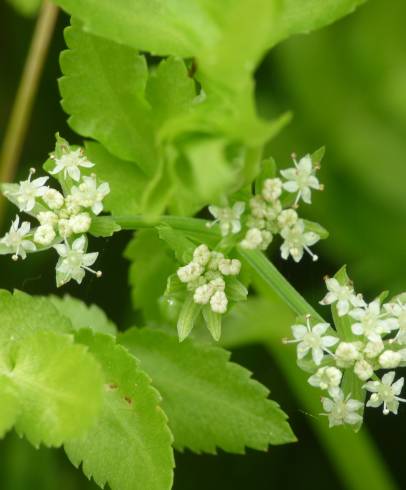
x=346, y=85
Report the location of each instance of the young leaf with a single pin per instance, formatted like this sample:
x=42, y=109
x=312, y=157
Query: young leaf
x=187, y=317
x=130, y=447
x=177, y=241
x=214, y=403
x=81, y=315
x=151, y=265
x=103, y=91
x=52, y=388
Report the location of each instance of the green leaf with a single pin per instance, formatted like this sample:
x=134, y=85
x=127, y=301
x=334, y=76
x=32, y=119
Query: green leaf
x=213, y=403
x=151, y=264
x=130, y=447
x=45, y=401
x=307, y=15
x=103, y=91
x=126, y=180
x=188, y=314
x=103, y=226
x=81, y=315
x=177, y=241
x=22, y=315
x=213, y=322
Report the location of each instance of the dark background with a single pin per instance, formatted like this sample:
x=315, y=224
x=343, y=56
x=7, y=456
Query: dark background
x=346, y=85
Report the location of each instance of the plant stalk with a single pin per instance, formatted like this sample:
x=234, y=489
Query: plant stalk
x=22, y=108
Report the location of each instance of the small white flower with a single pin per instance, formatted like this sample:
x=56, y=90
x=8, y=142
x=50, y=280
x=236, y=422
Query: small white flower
x=47, y=218
x=190, y=272
x=229, y=219
x=326, y=378
x=253, y=239
x=312, y=339
x=28, y=191
x=230, y=267
x=287, y=218
x=343, y=295
x=347, y=353
x=201, y=254
x=398, y=310
x=363, y=369
x=341, y=411
x=259, y=208
x=16, y=239
x=80, y=223
x=72, y=206
x=218, y=284
x=74, y=261
x=218, y=302
x=44, y=235
x=203, y=294
x=370, y=322
x=390, y=359
x=89, y=195
x=53, y=198
x=272, y=189
x=385, y=392
x=296, y=240
x=69, y=164
x=373, y=349
x=301, y=179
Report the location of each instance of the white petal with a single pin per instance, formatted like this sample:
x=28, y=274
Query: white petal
x=397, y=386
x=74, y=173
x=79, y=244
x=291, y=186
x=357, y=329
x=357, y=314
x=320, y=328
x=387, y=379
x=61, y=249
x=317, y=355
x=306, y=195
x=311, y=238
x=90, y=259
x=329, y=340
x=302, y=350
x=305, y=163
x=329, y=298
x=299, y=331
x=343, y=307
x=97, y=208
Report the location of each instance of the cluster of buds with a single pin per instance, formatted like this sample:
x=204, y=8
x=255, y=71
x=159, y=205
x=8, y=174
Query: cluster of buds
x=369, y=338
x=271, y=212
x=64, y=217
x=204, y=277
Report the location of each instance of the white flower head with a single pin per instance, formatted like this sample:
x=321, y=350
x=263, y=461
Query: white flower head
x=301, y=179
x=89, y=195
x=272, y=189
x=326, y=377
x=28, y=191
x=44, y=235
x=74, y=261
x=47, y=218
x=297, y=240
x=390, y=359
x=385, y=392
x=363, y=369
x=53, y=199
x=253, y=239
x=69, y=163
x=287, y=218
x=343, y=295
x=228, y=218
x=373, y=349
x=16, y=239
x=347, y=353
x=370, y=322
x=203, y=294
x=312, y=339
x=190, y=272
x=201, y=254
x=230, y=267
x=218, y=302
x=80, y=223
x=341, y=411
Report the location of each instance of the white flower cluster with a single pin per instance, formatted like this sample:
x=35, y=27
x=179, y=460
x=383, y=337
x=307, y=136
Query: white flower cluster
x=63, y=218
x=204, y=277
x=376, y=341
x=267, y=216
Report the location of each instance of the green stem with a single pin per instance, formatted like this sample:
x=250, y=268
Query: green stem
x=21, y=112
